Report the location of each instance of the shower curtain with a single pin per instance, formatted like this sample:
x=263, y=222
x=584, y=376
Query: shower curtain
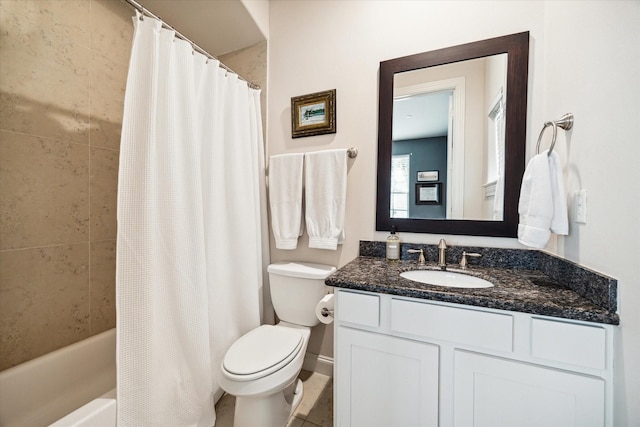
x=192, y=246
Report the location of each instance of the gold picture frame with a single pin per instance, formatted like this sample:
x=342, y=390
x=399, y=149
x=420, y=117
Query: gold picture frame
x=313, y=114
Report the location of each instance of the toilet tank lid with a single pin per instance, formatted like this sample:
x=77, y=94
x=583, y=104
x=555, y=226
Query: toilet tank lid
x=303, y=270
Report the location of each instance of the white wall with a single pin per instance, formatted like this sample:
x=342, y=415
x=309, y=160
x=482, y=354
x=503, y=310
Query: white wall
x=584, y=58
x=598, y=79
x=259, y=11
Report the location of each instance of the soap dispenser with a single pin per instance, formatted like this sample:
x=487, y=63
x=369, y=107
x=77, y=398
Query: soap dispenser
x=393, y=245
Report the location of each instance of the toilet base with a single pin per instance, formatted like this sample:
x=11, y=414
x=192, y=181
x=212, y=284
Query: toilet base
x=268, y=411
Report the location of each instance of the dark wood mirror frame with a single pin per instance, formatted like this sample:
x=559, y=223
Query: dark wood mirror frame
x=516, y=46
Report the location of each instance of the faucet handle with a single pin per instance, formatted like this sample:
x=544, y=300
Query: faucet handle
x=421, y=260
x=463, y=261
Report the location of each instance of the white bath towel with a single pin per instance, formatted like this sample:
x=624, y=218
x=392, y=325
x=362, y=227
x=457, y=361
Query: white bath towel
x=285, y=198
x=325, y=197
x=560, y=220
x=542, y=201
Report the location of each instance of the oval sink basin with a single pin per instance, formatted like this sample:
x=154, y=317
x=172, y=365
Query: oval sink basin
x=446, y=278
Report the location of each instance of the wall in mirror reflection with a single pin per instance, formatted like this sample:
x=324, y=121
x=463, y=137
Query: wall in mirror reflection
x=460, y=134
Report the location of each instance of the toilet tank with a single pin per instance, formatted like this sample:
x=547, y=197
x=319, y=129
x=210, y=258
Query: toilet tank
x=296, y=287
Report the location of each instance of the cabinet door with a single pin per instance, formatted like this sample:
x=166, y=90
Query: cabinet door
x=384, y=381
x=491, y=391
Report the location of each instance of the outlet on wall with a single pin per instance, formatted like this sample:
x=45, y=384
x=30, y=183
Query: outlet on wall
x=581, y=206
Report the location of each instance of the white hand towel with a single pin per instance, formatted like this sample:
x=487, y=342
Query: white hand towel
x=325, y=197
x=536, y=203
x=560, y=220
x=285, y=198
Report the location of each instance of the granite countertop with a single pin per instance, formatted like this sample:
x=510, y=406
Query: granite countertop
x=515, y=289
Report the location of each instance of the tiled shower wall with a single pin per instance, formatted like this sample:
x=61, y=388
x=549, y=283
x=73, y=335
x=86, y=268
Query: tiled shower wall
x=63, y=67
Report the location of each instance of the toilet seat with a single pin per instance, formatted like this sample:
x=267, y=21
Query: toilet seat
x=261, y=352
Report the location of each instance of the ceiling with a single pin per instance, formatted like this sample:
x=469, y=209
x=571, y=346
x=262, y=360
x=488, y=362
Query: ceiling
x=217, y=26
x=421, y=116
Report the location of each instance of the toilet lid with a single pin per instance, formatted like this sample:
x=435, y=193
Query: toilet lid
x=262, y=351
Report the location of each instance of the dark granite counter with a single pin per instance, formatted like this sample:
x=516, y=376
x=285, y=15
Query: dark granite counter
x=522, y=288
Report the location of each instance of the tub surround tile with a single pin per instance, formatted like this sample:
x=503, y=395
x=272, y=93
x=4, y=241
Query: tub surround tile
x=104, y=193
x=112, y=29
x=67, y=19
x=103, y=286
x=44, y=82
x=44, y=301
x=44, y=191
x=108, y=84
x=62, y=80
x=521, y=284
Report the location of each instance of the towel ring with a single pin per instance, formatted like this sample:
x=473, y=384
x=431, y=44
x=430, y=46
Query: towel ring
x=565, y=122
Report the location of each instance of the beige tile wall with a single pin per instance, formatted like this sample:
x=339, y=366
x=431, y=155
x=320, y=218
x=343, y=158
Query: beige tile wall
x=63, y=67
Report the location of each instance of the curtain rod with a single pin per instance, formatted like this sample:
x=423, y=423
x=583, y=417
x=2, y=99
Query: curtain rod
x=146, y=12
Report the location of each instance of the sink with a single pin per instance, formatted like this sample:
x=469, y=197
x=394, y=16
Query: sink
x=446, y=278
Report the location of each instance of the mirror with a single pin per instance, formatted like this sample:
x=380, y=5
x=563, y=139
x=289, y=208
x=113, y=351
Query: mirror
x=451, y=138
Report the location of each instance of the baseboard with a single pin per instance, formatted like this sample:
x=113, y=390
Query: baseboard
x=318, y=363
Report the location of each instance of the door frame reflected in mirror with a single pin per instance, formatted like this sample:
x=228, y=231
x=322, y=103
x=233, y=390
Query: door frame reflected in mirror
x=516, y=46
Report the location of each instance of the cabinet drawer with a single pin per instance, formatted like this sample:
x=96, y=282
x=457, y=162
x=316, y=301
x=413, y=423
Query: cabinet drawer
x=358, y=308
x=569, y=343
x=463, y=326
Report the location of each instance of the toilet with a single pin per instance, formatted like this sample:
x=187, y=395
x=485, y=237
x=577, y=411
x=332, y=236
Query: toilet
x=261, y=368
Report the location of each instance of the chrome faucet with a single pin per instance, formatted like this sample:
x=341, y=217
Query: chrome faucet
x=421, y=260
x=442, y=260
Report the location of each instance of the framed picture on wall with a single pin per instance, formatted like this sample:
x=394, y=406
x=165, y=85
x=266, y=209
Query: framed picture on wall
x=429, y=194
x=313, y=114
x=427, y=176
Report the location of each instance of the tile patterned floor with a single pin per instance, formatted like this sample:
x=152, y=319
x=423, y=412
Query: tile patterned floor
x=315, y=410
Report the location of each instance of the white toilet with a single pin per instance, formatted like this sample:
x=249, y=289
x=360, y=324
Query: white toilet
x=261, y=367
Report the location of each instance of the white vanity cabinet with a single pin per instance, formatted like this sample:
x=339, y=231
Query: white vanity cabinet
x=411, y=362
x=382, y=377
x=493, y=391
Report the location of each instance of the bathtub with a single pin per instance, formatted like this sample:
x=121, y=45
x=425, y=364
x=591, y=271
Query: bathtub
x=44, y=390
x=100, y=412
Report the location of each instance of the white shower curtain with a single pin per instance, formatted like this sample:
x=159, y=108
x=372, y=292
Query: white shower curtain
x=191, y=237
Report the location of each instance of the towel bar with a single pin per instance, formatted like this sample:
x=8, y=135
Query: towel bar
x=565, y=122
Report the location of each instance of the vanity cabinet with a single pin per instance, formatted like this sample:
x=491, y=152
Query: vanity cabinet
x=384, y=378
x=492, y=391
x=409, y=362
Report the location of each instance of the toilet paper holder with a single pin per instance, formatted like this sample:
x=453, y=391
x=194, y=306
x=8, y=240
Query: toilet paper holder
x=326, y=312
x=324, y=309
